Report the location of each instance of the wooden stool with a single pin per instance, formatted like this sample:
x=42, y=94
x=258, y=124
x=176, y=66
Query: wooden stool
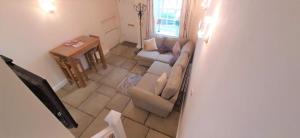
x=100, y=52
x=77, y=74
x=92, y=59
x=71, y=73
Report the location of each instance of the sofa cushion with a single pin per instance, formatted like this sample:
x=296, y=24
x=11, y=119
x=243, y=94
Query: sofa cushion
x=183, y=42
x=148, y=55
x=160, y=83
x=150, y=44
x=158, y=68
x=170, y=42
x=173, y=60
x=148, y=82
x=159, y=41
x=162, y=49
x=188, y=48
x=176, y=49
x=182, y=60
x=165, y=58
x=173, y=84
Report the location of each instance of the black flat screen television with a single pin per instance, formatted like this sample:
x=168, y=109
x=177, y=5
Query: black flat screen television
x=41, y=88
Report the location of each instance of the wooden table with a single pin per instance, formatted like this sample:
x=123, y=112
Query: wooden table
x=69, y=53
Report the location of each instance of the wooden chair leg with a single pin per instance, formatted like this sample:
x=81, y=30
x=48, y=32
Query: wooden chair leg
x=100, y=51
x=94, y=59
x=78, y=77
x=83, y=71
x=97, y=60
x=102, y=57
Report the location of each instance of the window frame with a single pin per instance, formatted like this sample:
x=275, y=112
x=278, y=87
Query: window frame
x=158, y=15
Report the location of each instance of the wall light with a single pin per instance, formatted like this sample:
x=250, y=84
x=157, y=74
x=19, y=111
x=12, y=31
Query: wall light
x=209, y=23
x=205, y=28
x=47, y=5
x=205, y=4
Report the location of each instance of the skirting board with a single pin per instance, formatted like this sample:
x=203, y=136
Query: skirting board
x=60, y=85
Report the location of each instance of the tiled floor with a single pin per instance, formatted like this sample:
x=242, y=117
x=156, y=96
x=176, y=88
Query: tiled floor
x=91, y=104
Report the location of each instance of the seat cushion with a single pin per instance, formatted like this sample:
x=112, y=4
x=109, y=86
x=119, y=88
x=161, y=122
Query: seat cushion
x=159, y=68
x=146, y=57
x=152, y=55
x=165, y=58
x=148, y=82
x=182, y=60
x=173, y=84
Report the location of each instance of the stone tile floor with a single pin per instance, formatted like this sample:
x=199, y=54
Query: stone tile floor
x=91, y=104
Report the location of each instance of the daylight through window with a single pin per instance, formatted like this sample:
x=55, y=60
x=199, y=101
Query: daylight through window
x=167, y=17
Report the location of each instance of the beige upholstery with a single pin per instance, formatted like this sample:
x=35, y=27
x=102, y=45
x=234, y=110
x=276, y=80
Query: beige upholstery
x=173, y=84
x=159, y=40
x=146, y=58
x=151, y=55
x=165, y=58
x=158, y=68
x=150, y=102
x=148, y=82
x=150, y=44
x=170, y=42
x=188, y=48
x=143, y=93
x=160, y=83
x=182, y=60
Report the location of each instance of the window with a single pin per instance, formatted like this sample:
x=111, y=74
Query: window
x=167, y=17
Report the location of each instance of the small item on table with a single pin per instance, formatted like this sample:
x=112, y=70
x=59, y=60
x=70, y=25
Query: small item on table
x=78, y=44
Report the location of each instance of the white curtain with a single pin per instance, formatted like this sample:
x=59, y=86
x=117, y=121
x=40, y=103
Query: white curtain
x=191, y=13
x=150, y=21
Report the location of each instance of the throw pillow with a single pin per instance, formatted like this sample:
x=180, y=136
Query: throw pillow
x=150, y=44
x=160, y=83
x=173, y=84
x=162, y=49
x=176, y=49
x=176, y=53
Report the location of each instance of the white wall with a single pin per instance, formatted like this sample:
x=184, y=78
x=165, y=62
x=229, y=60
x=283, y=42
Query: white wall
x=22, y=114
x=27, y=33
x=245, y=82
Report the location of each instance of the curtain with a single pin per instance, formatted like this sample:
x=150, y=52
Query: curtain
x=191, y=13
x=150, y=21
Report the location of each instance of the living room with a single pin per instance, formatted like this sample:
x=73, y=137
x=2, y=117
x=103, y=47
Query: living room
x=42, y=27
x=149, y=68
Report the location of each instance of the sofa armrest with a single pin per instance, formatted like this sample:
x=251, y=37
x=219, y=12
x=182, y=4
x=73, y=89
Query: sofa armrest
x=150, y=102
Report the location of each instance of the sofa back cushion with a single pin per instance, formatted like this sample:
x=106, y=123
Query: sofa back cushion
x=173, y=84
x=182, y=60
x=159, y=41
x=170, y=42
x=188, y=48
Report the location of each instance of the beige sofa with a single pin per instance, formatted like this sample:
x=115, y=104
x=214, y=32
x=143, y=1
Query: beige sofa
x=143, y=95
x=146, y=58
